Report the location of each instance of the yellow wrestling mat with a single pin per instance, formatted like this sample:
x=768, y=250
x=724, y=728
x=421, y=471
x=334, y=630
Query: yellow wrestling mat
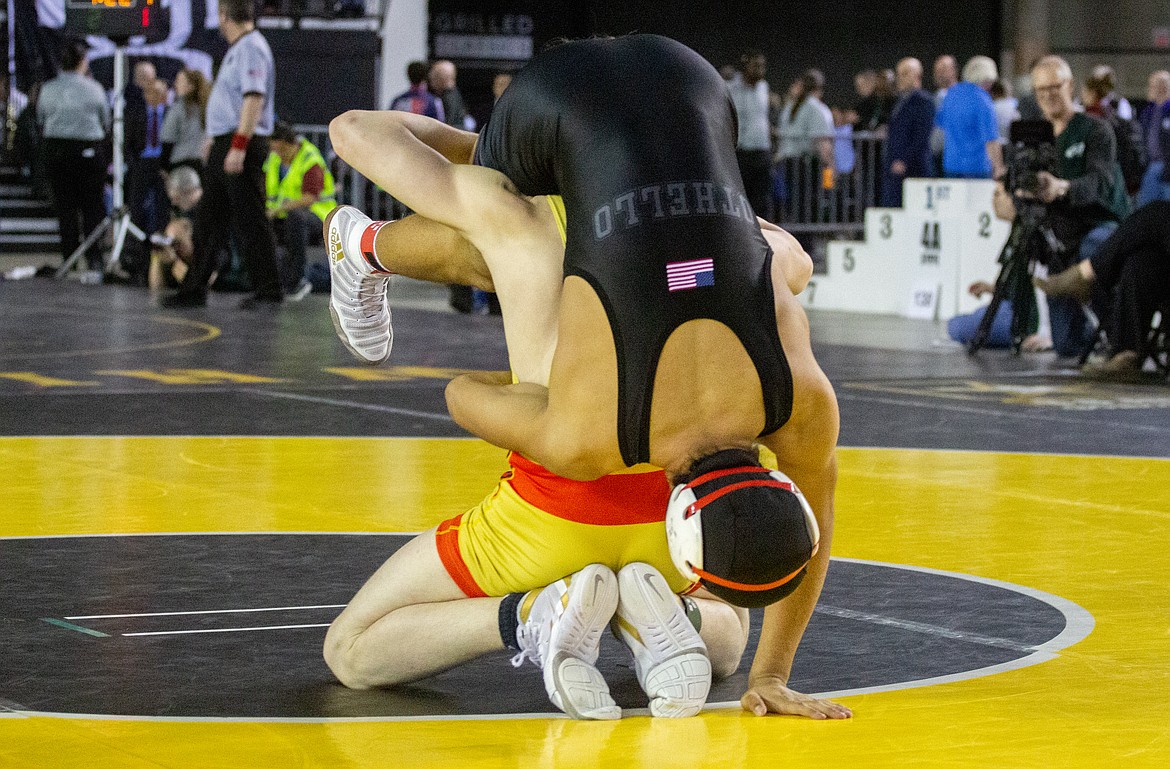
x=1092, y=530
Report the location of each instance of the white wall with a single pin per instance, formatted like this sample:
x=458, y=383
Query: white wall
x=404, y=39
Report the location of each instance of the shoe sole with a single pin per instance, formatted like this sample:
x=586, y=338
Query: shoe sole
x=352, y=350
x=679, y=684
x=581, y=689
x=333, y=311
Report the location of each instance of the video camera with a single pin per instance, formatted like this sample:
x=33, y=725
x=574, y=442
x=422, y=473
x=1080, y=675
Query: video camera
x=1031, y=149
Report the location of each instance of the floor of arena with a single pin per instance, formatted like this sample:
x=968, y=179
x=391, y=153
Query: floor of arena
x=188, y=499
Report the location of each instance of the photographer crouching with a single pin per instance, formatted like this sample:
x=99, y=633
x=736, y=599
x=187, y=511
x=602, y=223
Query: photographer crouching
x=1083, y=197
x=172, y=249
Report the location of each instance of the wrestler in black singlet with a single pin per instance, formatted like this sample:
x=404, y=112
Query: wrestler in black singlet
x=637, y=134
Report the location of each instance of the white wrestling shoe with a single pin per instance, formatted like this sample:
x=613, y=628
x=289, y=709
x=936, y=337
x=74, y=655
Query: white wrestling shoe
x=357, y=300
x=560, y=630
x=670, y=657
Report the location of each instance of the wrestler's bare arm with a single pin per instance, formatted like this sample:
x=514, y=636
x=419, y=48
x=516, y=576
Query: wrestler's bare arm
x=789, y=259
x=805, y=449
x=487, y=404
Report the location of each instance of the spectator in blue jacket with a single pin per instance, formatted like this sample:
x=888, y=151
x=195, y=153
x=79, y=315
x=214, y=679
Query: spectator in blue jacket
x=971, y=148
x=417, y=98
x=908, y=142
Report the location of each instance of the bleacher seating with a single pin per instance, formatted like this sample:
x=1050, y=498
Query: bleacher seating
x=27, y=223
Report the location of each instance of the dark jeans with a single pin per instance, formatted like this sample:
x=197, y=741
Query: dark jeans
x=1072, y=331
x=77, y=174
x=891, y=194
x=234, y=204
x=1133, y=276
x=292, y=232
x=755, y=166
x=146, y=197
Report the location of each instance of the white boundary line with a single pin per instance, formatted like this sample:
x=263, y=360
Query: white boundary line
x=1007, y=415
x=1056, y=454
x=350, y=404
x=222, y=630
x=1079, y=623
x=923, y=628
x=209, y=611
x=833, y=611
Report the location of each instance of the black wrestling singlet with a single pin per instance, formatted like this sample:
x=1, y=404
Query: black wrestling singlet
x=637, y=134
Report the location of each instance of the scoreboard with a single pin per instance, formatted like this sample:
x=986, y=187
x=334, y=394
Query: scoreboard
x=119, y=19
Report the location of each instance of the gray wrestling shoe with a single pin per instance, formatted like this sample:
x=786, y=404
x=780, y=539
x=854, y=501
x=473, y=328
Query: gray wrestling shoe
x=357, y=300
x=560, y=630
x=670, y=657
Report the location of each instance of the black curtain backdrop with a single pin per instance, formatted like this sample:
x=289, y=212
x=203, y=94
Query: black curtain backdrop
x=839, y=37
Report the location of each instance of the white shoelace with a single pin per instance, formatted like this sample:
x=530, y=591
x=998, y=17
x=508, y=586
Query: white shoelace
x=371, y=288
x=532, y=639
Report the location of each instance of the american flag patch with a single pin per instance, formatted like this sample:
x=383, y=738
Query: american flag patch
x=692, y=274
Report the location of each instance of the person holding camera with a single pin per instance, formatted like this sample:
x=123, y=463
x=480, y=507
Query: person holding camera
x=1084, y=196
x=172, y=249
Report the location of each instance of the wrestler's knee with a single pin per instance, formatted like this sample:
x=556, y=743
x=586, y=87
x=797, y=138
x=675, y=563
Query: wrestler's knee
x=725, y=631
x=342, y=130
x=339, y=652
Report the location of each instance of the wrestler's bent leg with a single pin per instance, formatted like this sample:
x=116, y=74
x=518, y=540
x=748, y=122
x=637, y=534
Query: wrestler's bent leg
x=424, y=249
x=408, y=621
x=724, y=630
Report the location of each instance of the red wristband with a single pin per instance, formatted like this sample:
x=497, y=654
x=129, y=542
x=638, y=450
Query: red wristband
x=240, y=142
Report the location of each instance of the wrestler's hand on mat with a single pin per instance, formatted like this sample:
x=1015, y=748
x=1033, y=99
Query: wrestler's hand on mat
x=770, y=695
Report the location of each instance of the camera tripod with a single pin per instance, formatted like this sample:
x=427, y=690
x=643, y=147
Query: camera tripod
x=119, y=217
x=1031, y=240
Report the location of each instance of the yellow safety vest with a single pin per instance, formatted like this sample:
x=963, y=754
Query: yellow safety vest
x=289, y=188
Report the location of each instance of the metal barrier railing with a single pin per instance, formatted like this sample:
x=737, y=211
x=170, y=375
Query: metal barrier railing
x=802, y=203
x=807, y=201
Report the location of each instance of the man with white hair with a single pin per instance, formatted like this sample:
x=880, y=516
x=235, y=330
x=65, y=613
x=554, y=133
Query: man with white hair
x=172, y=249
x=971, y=147
x=1084, y=198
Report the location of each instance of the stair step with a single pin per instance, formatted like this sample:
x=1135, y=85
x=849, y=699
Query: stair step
x=15, y=191
x=22, y=203
x=21, y=238
x=25, y=224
